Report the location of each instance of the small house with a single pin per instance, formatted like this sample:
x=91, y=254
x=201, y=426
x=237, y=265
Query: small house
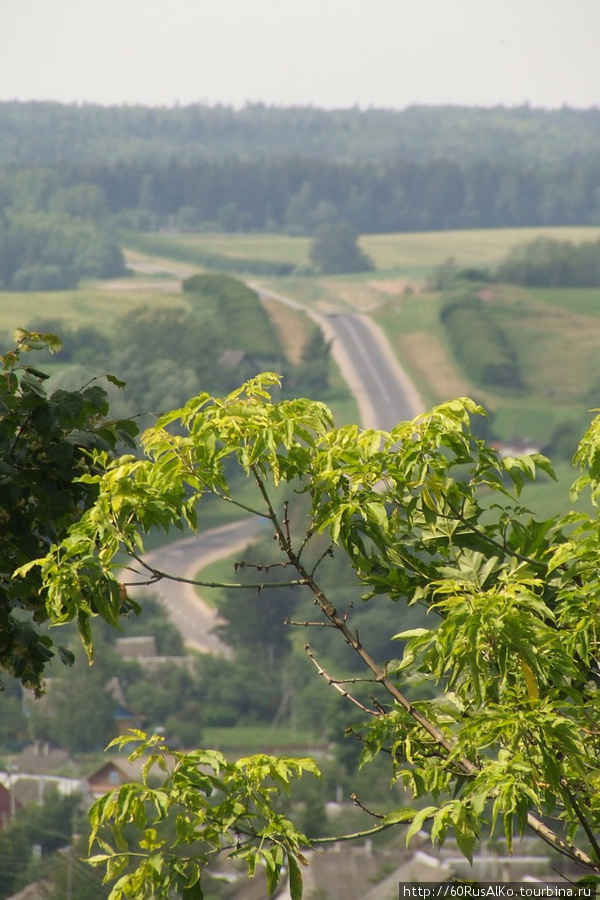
x=110, y=776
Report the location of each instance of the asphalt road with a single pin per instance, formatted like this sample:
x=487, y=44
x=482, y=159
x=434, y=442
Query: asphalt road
x=183, y=559
x=383, y=391
x=386, y=392
x=384, y=396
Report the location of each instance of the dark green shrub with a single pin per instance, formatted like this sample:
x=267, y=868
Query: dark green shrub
x=479, y=343
x=549, y=263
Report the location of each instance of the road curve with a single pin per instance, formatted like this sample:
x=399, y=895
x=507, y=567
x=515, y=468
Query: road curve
x=193, y=617
x=384, y=395
x=383, y=391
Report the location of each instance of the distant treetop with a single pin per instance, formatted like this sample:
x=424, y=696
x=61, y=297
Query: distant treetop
x=37, y=132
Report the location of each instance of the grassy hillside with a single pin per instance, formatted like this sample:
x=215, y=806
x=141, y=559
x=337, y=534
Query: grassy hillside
x=555, y=333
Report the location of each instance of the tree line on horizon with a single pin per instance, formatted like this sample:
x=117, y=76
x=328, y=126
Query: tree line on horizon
x=49, y=132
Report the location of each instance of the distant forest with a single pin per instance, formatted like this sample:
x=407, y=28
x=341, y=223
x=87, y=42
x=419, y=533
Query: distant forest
x=272, y=169
x=43, y=133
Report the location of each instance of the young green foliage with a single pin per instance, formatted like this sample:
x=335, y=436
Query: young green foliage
x=428, y=515
x=213, y=807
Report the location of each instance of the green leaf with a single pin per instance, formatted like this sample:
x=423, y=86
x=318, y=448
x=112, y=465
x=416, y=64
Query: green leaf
x=465, y=838
x=37, y=372
x=411, y=633
x=116, y=381
x=32, y=385
x=66, y=656
x=99, y=859
x=403, y=814
x=295, y=878
x=378, y=513
x=194, y=892
x=418, y=821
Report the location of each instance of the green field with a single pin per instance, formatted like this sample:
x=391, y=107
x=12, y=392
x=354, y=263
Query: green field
x=399, y=258
x=556, y=333
x=420, y=252
x=411, y=254
x=96, y=304
x=269, y=248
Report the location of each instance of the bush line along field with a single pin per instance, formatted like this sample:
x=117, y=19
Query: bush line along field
x=412, y=254
x=553, y=336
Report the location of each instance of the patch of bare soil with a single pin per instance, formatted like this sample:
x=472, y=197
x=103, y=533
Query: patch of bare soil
x=426, y=356
x=394, y=287
x=291, y=328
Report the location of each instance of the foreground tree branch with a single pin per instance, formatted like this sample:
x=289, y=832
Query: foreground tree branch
x=510, y=653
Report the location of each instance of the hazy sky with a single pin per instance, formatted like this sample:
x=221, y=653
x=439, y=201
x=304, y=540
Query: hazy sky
x=330, y=53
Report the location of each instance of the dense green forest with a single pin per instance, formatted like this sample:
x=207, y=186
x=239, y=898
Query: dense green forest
x=299, y=194
x=293, y=170
x=42, y=133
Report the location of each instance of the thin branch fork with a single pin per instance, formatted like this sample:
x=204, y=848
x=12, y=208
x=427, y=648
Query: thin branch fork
x=337, y=685
x=159, y=575
x=368, y=811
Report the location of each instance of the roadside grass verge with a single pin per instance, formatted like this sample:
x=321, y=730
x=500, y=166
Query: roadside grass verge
x=555, y=335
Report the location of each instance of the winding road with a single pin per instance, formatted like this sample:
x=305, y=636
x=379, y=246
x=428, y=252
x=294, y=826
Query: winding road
x=193, y=617
x=384, y=395
x=383, y=391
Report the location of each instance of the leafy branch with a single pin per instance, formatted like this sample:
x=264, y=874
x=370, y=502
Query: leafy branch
x=511, y=650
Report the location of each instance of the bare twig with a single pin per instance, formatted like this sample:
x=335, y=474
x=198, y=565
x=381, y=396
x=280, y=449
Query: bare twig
x=261, y=567
x=364, y=808
x=158, y=575
x=289, y=621
x=337, y=685
x=352, y=837
x=286, y=521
